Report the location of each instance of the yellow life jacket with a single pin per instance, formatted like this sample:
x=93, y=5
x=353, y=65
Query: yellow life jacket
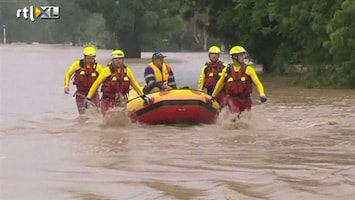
x=161, y=76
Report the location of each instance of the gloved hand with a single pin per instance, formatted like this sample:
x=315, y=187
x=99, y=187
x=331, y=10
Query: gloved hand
x=66, y=90
x=263, y=99
x=211, y=100
x=147, y=100
x=87, y=103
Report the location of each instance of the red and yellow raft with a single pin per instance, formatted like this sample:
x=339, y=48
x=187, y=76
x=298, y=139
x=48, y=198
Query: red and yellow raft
x=172, y=107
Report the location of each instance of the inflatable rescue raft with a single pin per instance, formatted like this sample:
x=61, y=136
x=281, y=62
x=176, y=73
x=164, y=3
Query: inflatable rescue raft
x=172, y=107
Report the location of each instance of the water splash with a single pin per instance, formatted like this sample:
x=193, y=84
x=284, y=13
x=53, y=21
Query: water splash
x=228, y=120
x=116, y=117
x=113, y=118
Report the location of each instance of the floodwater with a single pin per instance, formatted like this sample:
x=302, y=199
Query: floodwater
x=298, y=145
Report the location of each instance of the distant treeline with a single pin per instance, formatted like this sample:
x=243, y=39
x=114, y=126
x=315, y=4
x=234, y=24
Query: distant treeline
x=107, y=24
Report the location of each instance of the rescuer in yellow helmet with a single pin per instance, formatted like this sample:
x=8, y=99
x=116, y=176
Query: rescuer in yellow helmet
x=85, y=72
x=237, y=79
x=211, y=72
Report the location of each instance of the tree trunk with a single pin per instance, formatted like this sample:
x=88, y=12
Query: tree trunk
x=267, y=63
x=266, y=67
x=195, y=35
x=130, y=41
x=205, y=40
x=130, y=45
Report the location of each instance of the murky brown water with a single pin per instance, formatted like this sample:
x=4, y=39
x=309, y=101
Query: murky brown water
x=299, y=145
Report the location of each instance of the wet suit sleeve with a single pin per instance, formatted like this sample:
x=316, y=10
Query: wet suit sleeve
x=251, y=72
x=103, y=75
x=99, y=68
x=171, y=80
x=134, y=83
x=150, y=78
x=75, y=66
x=220, y=82
x=201, y=82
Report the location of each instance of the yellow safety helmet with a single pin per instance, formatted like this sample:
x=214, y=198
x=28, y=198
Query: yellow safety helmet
x=214, y=49
x=89, y=51
x=117, y=54
x=237, y=50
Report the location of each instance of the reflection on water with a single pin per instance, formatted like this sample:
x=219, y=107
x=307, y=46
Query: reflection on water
x=298, y=145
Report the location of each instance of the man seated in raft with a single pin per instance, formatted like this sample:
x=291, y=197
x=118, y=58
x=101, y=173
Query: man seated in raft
x=158, y=75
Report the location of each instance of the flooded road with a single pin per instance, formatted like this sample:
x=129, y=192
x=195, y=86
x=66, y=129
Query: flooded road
x=298, y=145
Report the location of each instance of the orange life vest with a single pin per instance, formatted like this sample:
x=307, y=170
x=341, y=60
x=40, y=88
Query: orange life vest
x=85, y=76
x=117, y=83
x=212, y=74
x=238, y=84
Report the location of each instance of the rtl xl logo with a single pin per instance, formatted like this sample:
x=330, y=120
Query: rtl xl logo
x=38, y=12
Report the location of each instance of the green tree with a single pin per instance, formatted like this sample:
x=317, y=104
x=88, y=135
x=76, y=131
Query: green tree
x=280, y=34
x=238, y=23
x=124, y=18
x=79, y=26
x=75, y=25
x=341, y=43
x=21, y=30
x=144, y=24
x=160, y=29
